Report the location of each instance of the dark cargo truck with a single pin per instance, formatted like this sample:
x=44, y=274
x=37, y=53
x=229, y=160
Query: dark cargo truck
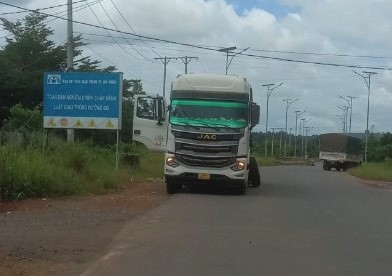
x=340, y=151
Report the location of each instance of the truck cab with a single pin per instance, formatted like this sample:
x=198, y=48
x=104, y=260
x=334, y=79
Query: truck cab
x=204, y=131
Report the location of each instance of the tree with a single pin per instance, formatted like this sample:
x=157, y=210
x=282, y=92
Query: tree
x=29, y=52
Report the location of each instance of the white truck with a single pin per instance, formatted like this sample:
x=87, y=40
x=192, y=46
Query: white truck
x=340, y=151
x=205, y=131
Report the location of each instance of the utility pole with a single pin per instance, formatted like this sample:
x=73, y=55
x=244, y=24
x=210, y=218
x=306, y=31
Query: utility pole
x=288, y=103
x=297, y=114
x=349, y=100
x=165, y=60
x=367, y=81
x=269, y=92
x=229, y=53
x=186, y=61
x=70, y=132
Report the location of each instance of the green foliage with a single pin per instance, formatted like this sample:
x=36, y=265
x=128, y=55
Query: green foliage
x=29, y=51
x=267, y=161
x=65, y=169
x=24, y=119
x=380, y=148
x=68, y=168
x=258, y=145
x=377, y=171
x=151, y=166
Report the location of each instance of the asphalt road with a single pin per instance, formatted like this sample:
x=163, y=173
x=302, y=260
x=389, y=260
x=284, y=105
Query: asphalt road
x=302, y=221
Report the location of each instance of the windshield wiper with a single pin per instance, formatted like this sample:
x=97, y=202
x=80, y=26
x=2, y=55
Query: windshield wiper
x=187, y=124
x=207, y=125
x=228, y=126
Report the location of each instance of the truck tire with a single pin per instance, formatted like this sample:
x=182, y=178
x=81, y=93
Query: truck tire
x=172, y=188
x=254, y=174
x=326, y=166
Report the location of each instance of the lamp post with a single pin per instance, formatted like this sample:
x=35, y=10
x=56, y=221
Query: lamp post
x=297, y=114
x=288, y=103
x=304, y=120
x=227, y=51
x=270, y=89
x=349, y=100
x=345, y=114
x=306, y=141
x=343, y=122
x=367, y=81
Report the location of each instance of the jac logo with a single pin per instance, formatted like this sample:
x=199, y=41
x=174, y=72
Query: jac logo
x=206, y=137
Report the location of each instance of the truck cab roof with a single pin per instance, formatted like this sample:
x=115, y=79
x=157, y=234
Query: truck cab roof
x=210, y=82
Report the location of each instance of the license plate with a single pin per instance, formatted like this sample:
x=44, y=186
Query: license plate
x=203, y=176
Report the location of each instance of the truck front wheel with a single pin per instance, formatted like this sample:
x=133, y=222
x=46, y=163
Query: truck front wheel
x=254, y=174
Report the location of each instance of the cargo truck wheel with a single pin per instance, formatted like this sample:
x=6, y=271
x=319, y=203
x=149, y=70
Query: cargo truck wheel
x=326, y=166
x=254, y=174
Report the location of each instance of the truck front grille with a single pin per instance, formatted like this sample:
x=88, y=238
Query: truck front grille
x=201, y=161
x=206, y=148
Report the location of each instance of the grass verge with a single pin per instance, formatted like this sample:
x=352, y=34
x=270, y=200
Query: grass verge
x=267, y=161
x=69, y=169
x=374, y=171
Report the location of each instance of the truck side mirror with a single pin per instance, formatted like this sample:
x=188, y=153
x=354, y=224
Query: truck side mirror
x=254, y=115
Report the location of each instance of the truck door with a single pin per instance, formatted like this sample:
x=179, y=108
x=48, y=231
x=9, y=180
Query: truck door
x=150, y=122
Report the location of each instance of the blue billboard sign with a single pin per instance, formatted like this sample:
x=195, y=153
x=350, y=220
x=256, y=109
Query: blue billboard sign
x=82, y=100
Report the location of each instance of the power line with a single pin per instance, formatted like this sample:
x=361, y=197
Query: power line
x=40, y=9
x=122, y=35
x=74, y=9
x=321, y=54
x=129, y=25
x=107, y=31
x=97, y=53
x=320, y=63
x=213, y=49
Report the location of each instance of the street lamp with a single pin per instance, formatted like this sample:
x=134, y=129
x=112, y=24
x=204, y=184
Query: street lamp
x=349, y=100
x=297, y=114
x=343, y=122
x=345, y=110
x=306, y=141
x=304, y=120
x=367, y=81
x=269, y=92
x=288, y=103
x=227, y=51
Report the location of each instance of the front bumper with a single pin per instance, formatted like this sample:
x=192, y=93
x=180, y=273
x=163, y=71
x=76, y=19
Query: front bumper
x=187, y=175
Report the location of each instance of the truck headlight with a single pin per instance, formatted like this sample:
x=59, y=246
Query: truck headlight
x=239, y=166
x=171, y=161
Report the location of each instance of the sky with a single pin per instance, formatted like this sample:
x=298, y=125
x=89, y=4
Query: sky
x=309, y=46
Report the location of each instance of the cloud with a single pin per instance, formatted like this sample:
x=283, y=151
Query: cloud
x=324, y=28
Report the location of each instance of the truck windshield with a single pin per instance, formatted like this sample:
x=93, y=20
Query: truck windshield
x=213, y=113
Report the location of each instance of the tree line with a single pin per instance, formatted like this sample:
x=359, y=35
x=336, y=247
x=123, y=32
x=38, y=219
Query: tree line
x=29, y=51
